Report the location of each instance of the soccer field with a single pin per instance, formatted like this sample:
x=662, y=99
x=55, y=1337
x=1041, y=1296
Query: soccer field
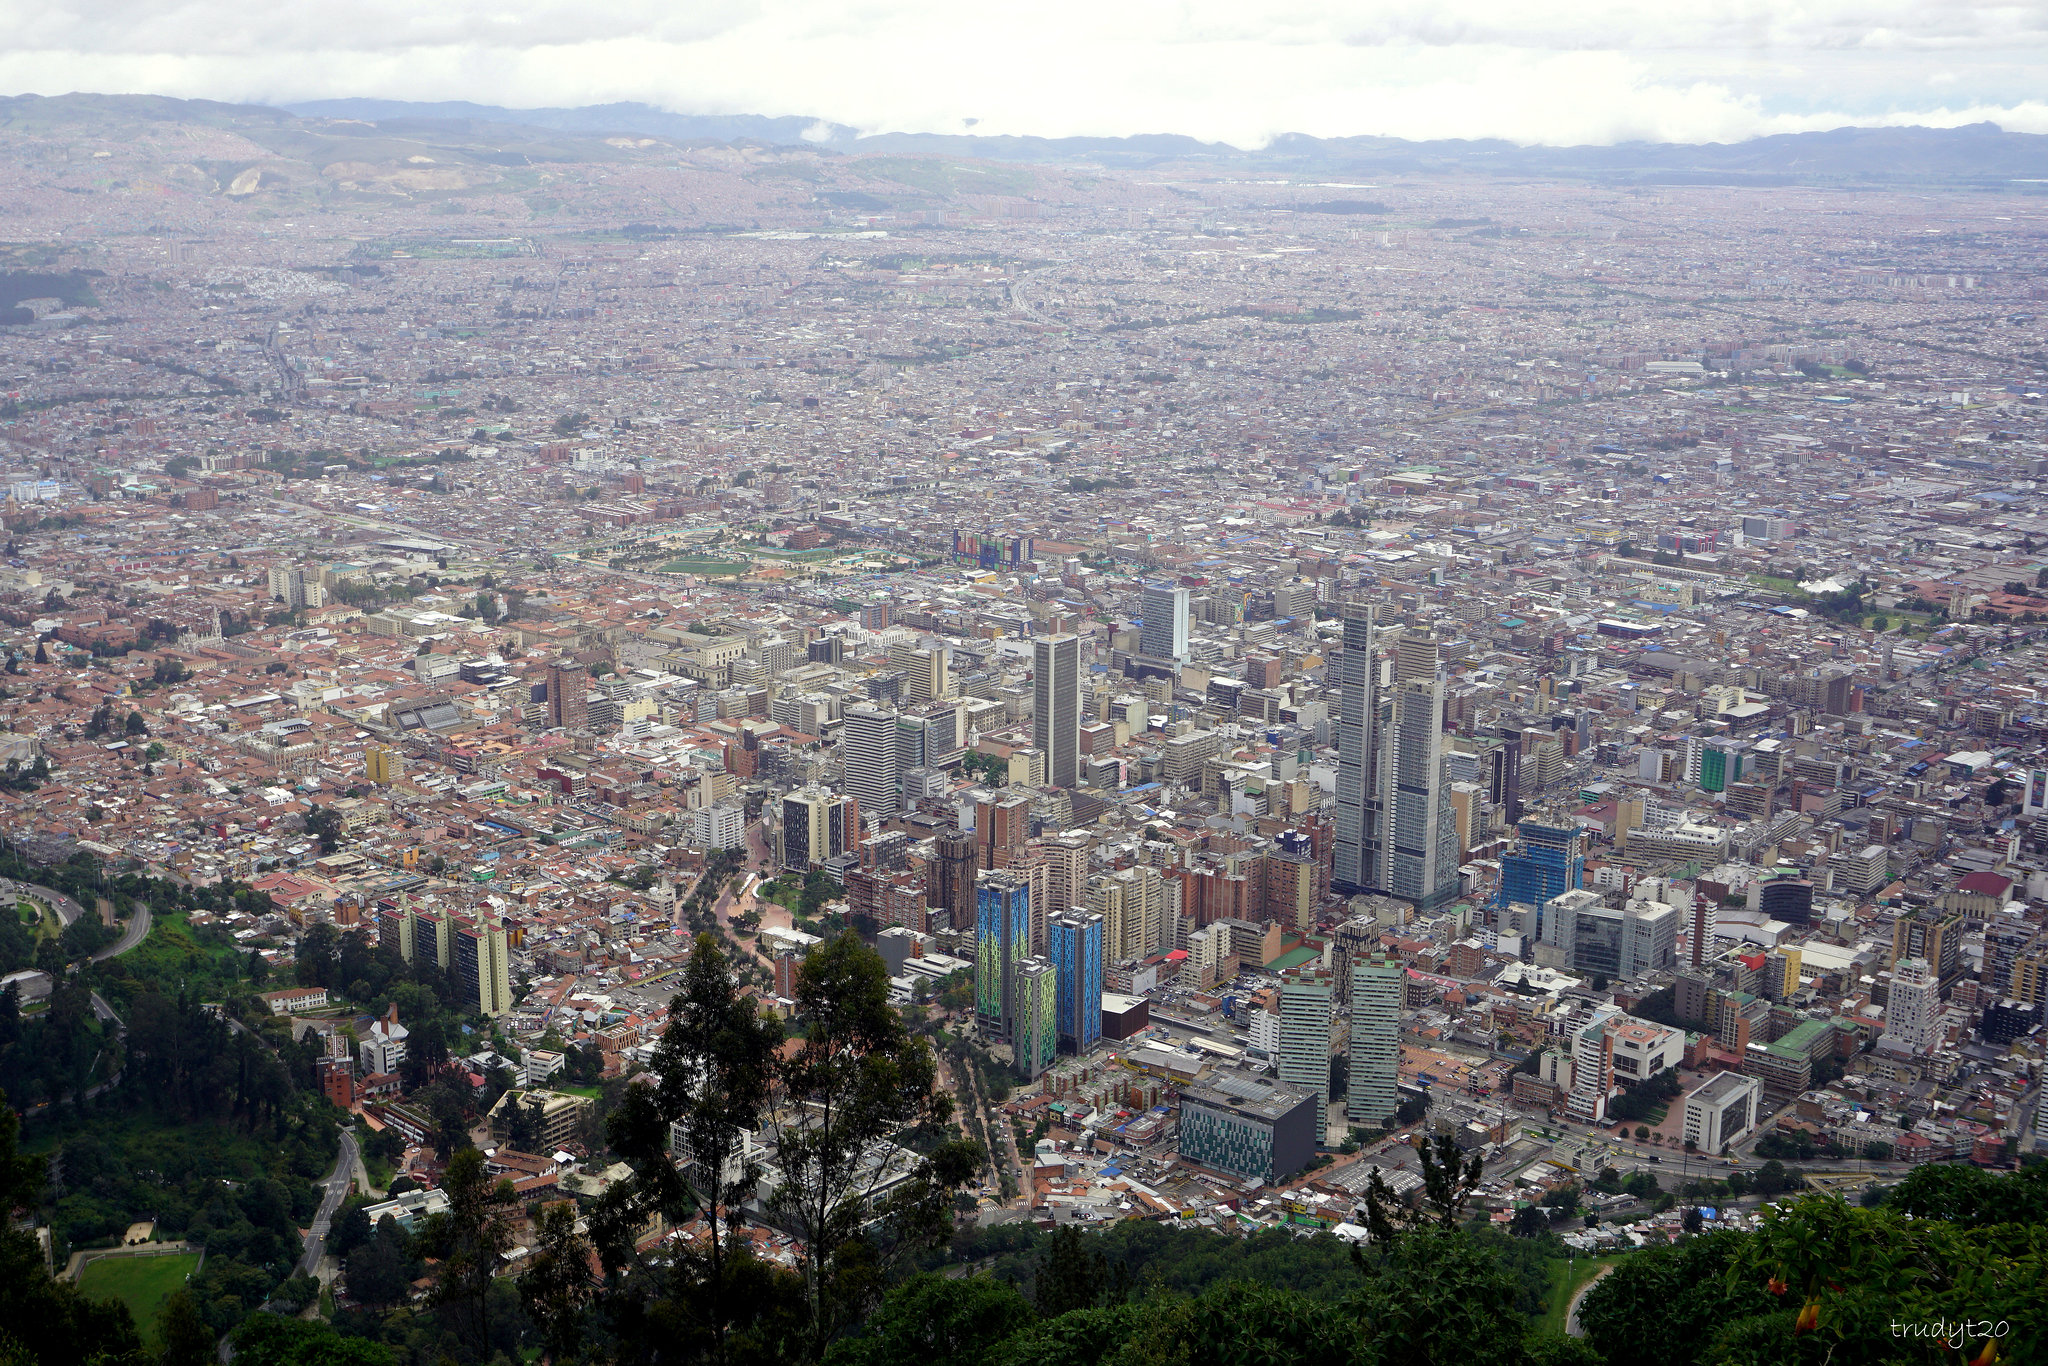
x=141, y=1283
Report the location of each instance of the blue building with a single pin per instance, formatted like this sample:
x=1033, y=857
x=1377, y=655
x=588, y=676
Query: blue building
x=1002, y=941
x=1075, y=942
x=1550, y=860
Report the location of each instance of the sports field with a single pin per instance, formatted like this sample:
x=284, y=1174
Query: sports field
x=141, y=1283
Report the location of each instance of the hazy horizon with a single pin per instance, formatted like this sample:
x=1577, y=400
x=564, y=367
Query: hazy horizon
x=1577, y=75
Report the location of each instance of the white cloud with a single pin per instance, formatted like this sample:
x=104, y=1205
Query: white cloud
x=1595, y=72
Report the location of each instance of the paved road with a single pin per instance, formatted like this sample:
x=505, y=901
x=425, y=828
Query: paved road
x=68, y=910
x=1571, y=1318
x=339, y=1182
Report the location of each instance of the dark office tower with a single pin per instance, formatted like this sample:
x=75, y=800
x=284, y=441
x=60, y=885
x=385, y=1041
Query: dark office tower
x=869, y=747
x=566, y=687
x=949, y=877
x=1358, y=862
x=826, y=650
x=1511, y=772
x=885, y=688
x=1056, y=707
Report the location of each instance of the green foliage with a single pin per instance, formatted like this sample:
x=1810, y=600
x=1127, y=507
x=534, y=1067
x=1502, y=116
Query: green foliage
x=269, y=1340
x=936, y=1321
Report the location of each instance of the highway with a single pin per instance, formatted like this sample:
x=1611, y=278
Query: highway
x=338, y=1184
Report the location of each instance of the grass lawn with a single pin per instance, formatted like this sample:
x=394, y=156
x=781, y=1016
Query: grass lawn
x=710, y=569
x=1566, y=1276
x=141, y=1283
x=588, y=1092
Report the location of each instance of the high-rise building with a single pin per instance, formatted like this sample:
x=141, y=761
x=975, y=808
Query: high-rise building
x=1034, y=1041
x=868, y=747
x=1002, y=825
x=1421, y=860
x=949, y=877
x=1056, y=706
x=1305, y=1009
x=1357, y=845
x=382, y=764
x=1002, y=941
x=1375, y=1047
x=482, y=966
x=288, y=585
x=1163, y=632
x=1076, y=951
x=817, y=826
x=1912, y=1014
x=568, y=704
x=1549, y=859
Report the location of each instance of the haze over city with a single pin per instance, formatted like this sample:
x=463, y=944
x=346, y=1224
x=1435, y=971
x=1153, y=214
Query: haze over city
x=901, y=685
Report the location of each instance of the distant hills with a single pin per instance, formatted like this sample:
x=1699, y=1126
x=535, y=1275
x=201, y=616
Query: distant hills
x=1976, y=152
x=325, y=132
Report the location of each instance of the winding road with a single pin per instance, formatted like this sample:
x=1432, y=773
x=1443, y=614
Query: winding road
x=338, y=1184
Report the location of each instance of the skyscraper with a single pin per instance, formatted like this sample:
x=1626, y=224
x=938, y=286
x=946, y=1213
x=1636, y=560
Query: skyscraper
x=1076, y=952
x=1358, y=856
x=949, y=877
x=1002, y=941
x=1912, y=1013
x=567, y=705
x=1547, y=861
x=1305, y=1033
x=1422, y=849
x=1034, y=1042
x=1375, y=1040
x=1056, y=706
x=869, y=749
x=1164, y=632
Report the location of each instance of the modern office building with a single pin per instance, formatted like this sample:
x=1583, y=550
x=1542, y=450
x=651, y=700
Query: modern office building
x=1056, y=706
x=1375, y=1050
x=1002, y=941
x=818, y=826
x=1248, y=1127
x=1421, y=862
x=868, y=747
x=1163, y=633
x=1548, y=859
x=1034, y=1042
x=1305, y=1013
x=1357, y=839
x=1721, y=1110
x=568, y=689
x=1075, y=946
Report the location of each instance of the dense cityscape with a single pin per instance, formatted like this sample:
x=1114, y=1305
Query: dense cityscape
x=969, y=736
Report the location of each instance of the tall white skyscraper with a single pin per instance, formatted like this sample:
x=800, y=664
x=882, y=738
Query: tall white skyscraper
x=1375, y=1040
x=1305, y=1034
x=1056, y=706
x=1422, y=846
x=1358, y=864
x=869, y=749
x=1911, y=1017
x=1165, y=631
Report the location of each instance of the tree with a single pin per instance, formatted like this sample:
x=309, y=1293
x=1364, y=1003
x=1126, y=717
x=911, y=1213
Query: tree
x=1530, y=1221
x=557, y=1287
x=469, y=1238
x=381, y=1269
x=1448, y=1182
x=714, y=1067
x=855, y=1078
x=187, y=1339
x=271, y=1340
x=44, y=1320
x=937, y=1321
x=1074, y=1274
x=135, y=725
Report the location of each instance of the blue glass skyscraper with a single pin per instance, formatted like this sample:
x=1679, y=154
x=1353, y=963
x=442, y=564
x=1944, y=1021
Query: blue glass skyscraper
x=1075, y=943
x=1548, y=862
x=1002, y=941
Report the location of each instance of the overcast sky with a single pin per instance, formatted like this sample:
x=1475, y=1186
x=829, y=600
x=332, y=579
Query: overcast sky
x=1562, y=72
